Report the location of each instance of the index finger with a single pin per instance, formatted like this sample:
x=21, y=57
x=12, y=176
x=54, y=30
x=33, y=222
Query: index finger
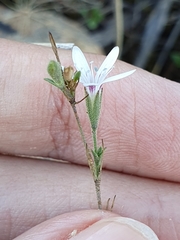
x=139, y=119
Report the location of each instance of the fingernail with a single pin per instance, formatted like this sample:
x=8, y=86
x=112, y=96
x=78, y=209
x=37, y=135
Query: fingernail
x=117, y=228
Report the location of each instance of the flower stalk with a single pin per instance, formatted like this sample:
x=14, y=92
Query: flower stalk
x=67, y=81
x=93, y=79
x=73, y=105
x=93, y=106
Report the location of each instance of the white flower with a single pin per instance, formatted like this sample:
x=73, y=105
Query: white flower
x=91, y=80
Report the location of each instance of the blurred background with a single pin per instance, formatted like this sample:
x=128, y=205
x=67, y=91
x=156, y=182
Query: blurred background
x=147, y=31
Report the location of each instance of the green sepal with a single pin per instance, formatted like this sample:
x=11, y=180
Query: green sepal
x=93, y=109
x=77, y=76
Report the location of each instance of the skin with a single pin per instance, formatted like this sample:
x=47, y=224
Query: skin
x=139, y=125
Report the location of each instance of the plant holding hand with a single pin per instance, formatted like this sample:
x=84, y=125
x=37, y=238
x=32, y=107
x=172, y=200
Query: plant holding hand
x=92, y=79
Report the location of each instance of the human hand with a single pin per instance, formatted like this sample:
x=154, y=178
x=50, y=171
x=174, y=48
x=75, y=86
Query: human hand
x=139, y=126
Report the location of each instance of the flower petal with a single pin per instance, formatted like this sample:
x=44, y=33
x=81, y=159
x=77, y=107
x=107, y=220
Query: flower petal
x=119, y=76
x=81, y=64
x=108, y=63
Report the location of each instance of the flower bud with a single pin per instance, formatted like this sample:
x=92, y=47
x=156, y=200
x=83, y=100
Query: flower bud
x=68, y=73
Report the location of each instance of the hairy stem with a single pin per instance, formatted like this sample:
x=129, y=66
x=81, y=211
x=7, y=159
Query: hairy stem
x=98, y=192
x=79, y=124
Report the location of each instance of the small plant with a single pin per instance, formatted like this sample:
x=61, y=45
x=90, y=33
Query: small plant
x=66, y=79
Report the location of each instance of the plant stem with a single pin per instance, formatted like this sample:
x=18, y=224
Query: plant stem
x=94, y=134
x=97, y=174
x=98, y=192
x=79, y=124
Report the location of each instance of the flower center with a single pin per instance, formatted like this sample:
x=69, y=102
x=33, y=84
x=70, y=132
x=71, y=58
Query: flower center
x=92, y=89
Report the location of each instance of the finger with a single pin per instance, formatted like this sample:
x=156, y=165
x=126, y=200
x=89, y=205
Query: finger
x=139, y=120
x=117, y=228
x=65, y=226
x=80, y=225
x=34, y=191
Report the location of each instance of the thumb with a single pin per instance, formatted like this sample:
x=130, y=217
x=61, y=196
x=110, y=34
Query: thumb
x=89, y=224
x=117, y=228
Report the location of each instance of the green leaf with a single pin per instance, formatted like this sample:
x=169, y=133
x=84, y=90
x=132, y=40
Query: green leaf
x=50, y=81
x=55, y=71
x=97, y=161
x=100, y=152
